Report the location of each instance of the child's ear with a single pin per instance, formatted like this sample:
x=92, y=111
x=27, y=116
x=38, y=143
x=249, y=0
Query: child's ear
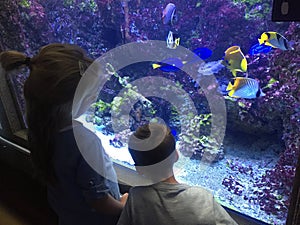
x=176, y=155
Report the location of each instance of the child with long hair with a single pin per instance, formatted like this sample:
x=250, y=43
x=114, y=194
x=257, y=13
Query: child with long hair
x=77, y=193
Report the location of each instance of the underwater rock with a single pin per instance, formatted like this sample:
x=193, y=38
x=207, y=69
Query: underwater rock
x=209, y=155
x=246, y=121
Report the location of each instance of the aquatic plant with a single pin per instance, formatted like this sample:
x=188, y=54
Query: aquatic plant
x=89, y=5
x=255, y=9
x=25, y=3
x=69, y=3
x=119, y=106
x=196, y=143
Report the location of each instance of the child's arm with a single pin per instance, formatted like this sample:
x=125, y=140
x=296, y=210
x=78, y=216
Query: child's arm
x=99, y=192
x=125, y=217
x=108, y=205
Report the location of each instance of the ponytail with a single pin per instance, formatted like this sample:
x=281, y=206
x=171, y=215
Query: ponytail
x=11, y=60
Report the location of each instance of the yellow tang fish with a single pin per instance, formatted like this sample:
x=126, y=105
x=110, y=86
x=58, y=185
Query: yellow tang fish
x=244, y=88
x=235, y=60
x=275, y=40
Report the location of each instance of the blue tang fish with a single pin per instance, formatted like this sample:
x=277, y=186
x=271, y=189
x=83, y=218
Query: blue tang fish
x=174, y=132
x=259, y=48
x=203, y=53
x=169, y=65
x=244, y=87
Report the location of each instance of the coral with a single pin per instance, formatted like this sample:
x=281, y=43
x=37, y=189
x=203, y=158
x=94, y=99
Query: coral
x=196, y=143
x=121, y=139
x=234, y=186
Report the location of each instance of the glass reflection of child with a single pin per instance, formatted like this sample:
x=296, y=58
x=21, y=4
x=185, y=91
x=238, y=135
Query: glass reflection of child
x=77, y=193
x=166, y=201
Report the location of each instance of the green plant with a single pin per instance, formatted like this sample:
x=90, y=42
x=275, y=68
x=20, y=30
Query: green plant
x=195, y=142
x=69, y=3
x=101, y=106
x=89, y=5
x=25, y=3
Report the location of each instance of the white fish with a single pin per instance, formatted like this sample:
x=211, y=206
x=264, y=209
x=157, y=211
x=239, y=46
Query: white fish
x=210, y=68
x=172, y=41
x=168, y=13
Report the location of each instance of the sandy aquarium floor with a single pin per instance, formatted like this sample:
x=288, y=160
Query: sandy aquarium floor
x=211, y=176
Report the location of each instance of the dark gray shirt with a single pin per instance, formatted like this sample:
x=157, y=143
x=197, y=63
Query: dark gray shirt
x=78, y=182
x=176, y=204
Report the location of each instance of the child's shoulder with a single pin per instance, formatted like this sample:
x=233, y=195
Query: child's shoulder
x=173, y=187
x=138, y=189
x=200, y=191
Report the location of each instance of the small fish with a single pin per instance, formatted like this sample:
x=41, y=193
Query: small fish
x=169, y=65
x=244, y=88
x=172, y=40
x=174, y=132
x=271, y=83
x=259, y=48
x=168, y=14
x=275, y=40
x=210, y=68
x=235, y=60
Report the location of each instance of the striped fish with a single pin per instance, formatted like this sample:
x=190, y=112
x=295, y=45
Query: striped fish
x=244, y=87
x=168, y=14
x=275, y=40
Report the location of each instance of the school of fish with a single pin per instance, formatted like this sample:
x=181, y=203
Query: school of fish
x=234, y=59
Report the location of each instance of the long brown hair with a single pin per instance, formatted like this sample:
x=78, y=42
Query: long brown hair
x=49, y=91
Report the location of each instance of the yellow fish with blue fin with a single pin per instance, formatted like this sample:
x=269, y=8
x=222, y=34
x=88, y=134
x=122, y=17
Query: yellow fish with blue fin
x=235, y=60
x=275, y=40
x=244, y=87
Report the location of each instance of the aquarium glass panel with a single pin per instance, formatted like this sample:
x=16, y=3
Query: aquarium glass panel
x=226, y=83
